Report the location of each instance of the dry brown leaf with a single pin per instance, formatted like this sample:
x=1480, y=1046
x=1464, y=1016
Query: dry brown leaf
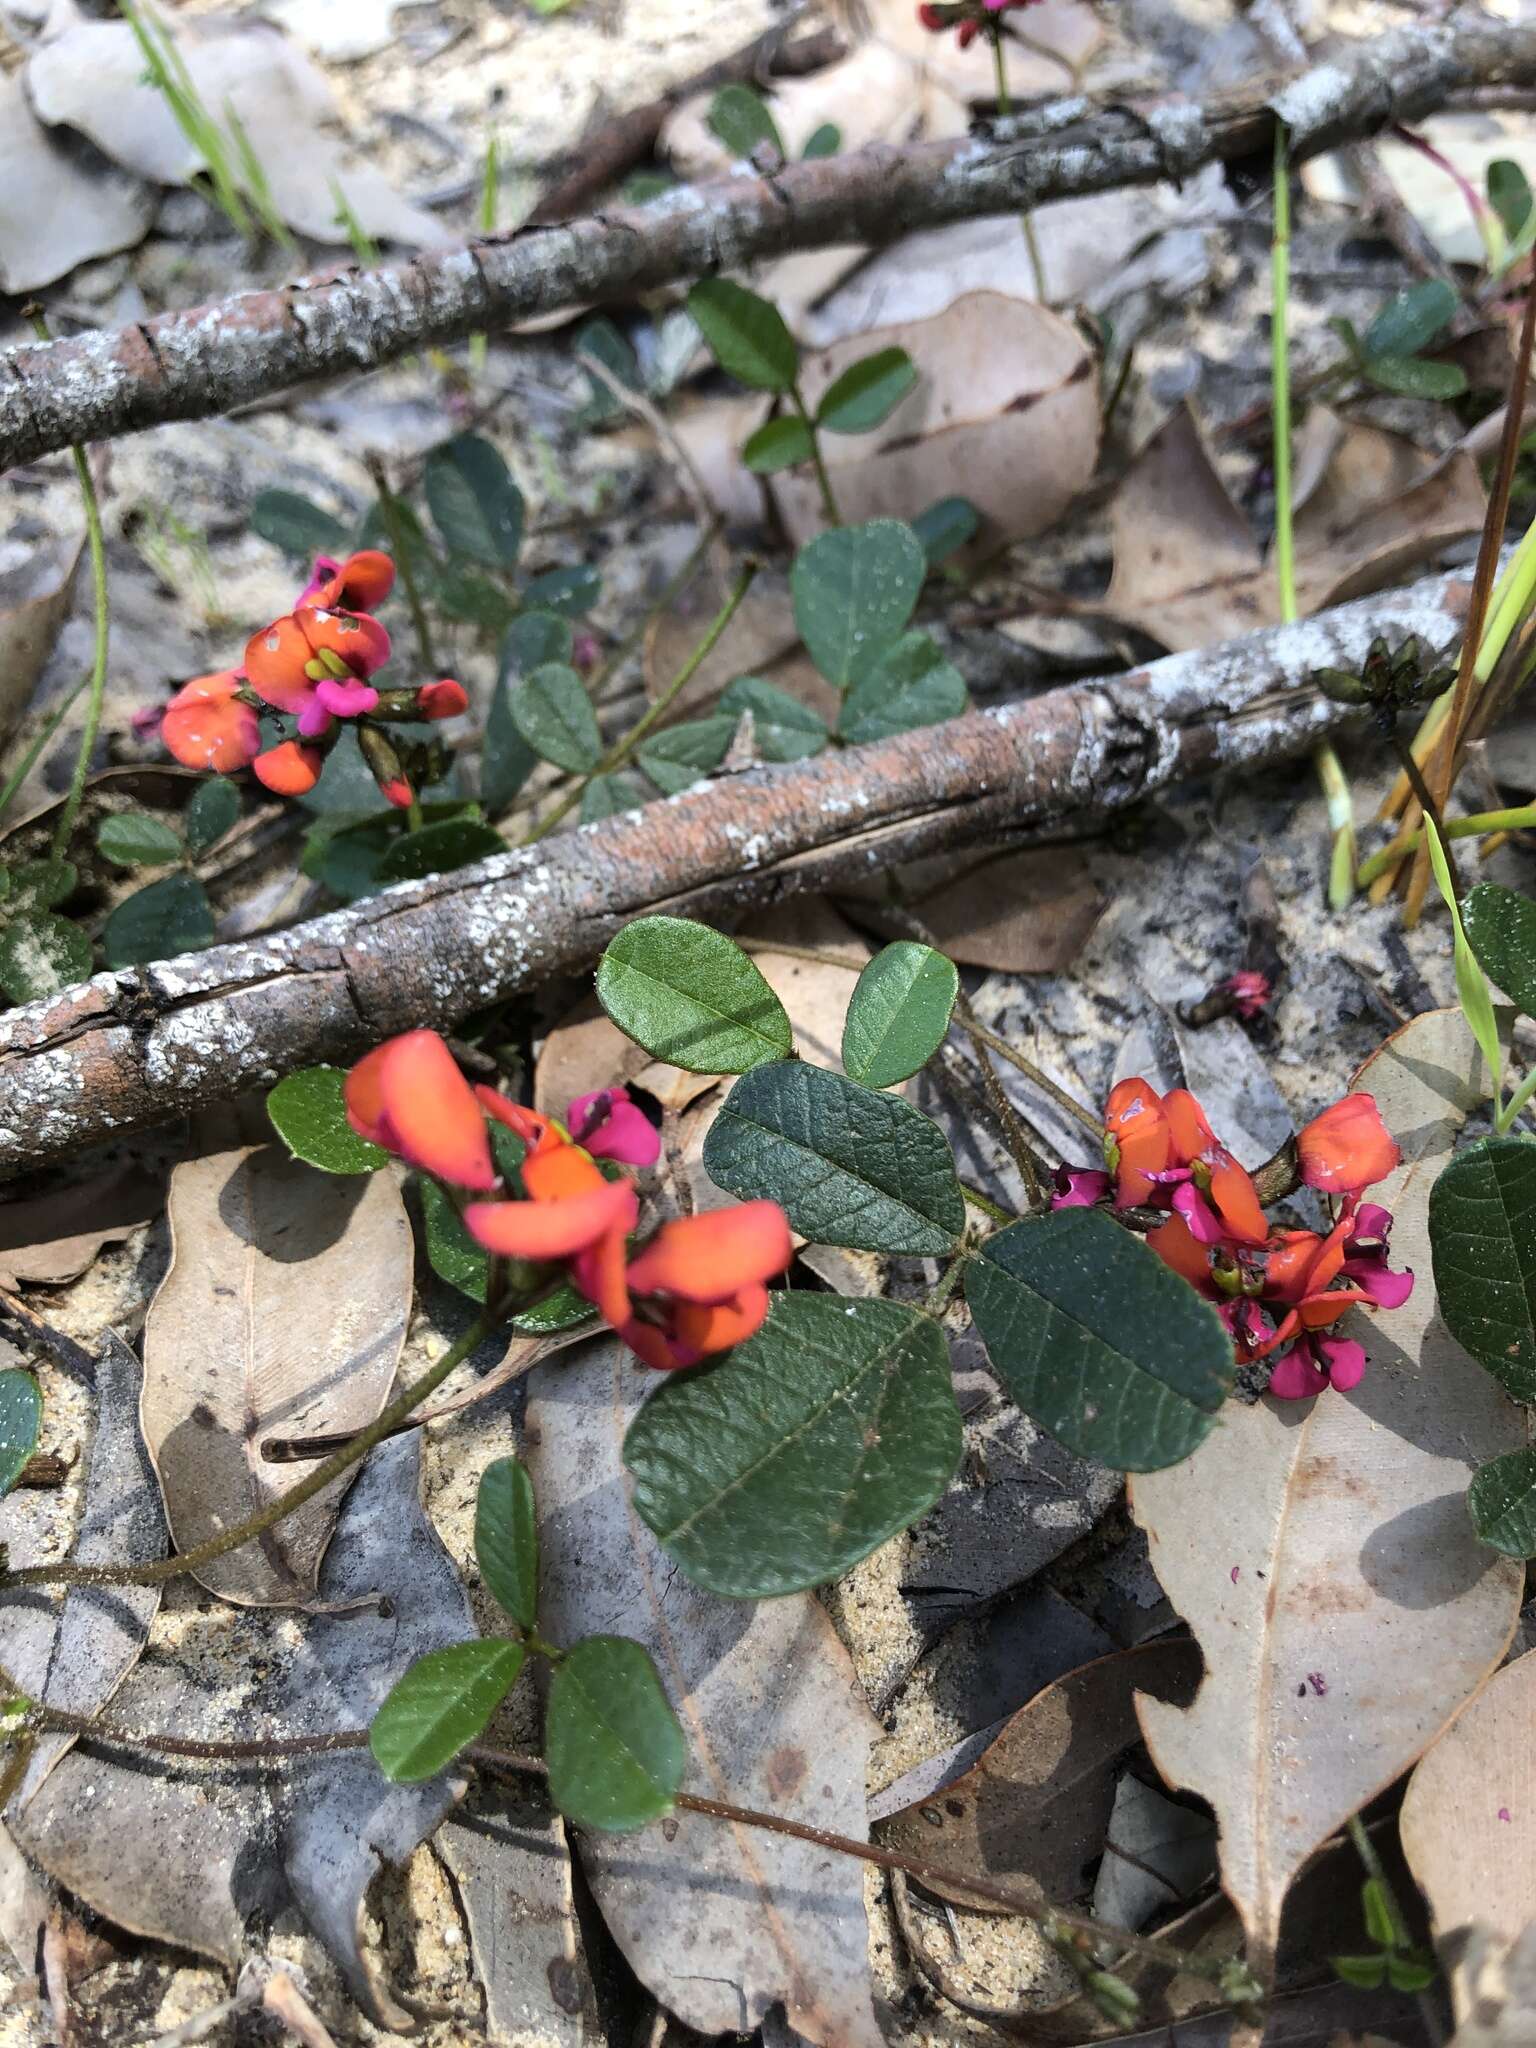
x=35, y=598
x=1188, y=570
x=1034, y=1808
x=283, y=1314
x=1016, y=913
x=59, y=205
x=52, y=1238
x=762, y=628
x=719, y=1923
x=1321, y=1550
x=1469, y=1820
x=1005, y=413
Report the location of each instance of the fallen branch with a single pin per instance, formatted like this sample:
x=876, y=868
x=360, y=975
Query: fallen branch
x=129, y=1049
x=189, y=365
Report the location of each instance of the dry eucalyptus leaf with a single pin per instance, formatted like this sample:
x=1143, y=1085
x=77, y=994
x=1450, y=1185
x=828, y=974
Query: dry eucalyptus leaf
x=52, y=1238
x=89, y=76
x=36, y=593
x=1321, y=1550
x=1005, y=412
x=199, y=1855
x=1189, y=572
x=1469, y=1819
x=1035, y=1807
x=719, y=1923
x=283, y=1314
x=60, y=203
x=1016, y=913
x=1157, y=1854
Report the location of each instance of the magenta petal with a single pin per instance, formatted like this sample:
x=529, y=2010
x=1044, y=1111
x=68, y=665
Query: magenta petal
x=1295, y=1377
x=346, y=699
x=1372, y=1221
x=627, y=1135
x=314, y=719
x=1204, y=1224
x=1079, y=1187
x=1344, y=1358
x=322, y=572
x=1373, y=1276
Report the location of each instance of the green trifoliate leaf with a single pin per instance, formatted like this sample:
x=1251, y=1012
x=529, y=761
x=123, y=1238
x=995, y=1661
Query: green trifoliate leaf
x=910, y=686
x=214, y=810
x=507, y=1539
x=1509, y=194
x=136, y=841
x=532, y=639
x=171, y=916
x=826, y=140
x=867, y=392
x=691, y=996
x=569, y=593
x=678, y=757
x=1482, y=1235
x=615, y=1752
x=854, y=590
x=475, y=506
x=605, y=796
x=1099, y=1341
x=777, y=444
x=301, y=529
x=443, y=1702
x=309, y=1114
x=783, y=729
x=946, y=527
x=1502, y=1503
x=899, y=1013
x=1415, y=377
x=1501, y=930
x=21, y=1417
x=40, y=953
x=848, y=1165
x=554, y=715
x=747, y=335
x=41, y=885
x=1412, y=320
x=740, y=117
x=438, y=849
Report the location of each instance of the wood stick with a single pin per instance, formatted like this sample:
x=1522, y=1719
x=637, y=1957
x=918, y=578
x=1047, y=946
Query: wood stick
x=130, y=1049
x=190, y=365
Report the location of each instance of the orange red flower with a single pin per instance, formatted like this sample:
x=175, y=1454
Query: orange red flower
x=410, y=1097
x=1347, y=1148
x=207, y=726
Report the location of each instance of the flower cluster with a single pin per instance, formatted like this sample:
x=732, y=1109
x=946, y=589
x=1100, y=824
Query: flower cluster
x=699, y=1285
x=316, y=667
x=968, y=17
x=1279, y=1292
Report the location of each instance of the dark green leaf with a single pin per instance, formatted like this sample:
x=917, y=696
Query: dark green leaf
x=778, y=444
x=554, y=714
x=783, y=729
x=867, y=392
x=134, y=840
x=301, y=529
x=1482, y=1236
x=562, y=1310
x=740, y=117
x=946, y=527
x=475, y=506
x=453, y=1255
x=21, y=1417
x=690, y=995
x=1099, y=1341
x=850, y=1166
x=347, y=860
x=442, y=1702
x=464, y=594
x=571, y=593
x=1366, y=1973
x=826, y=140
x=437, y=849
x=854, y=589
x=40, y=954
x=899, y=1013
x=1502, y=1503
x=532, y=639
x=747, y=335
x=845, y=1409
x=42, y=884
x=310, y=1116
x=615, y=1752
x=1413, y=377
x=1501, y=930
x=911, y=685
x=213, y=811
x=676, y=758
x=641, y=187
x=1509, y=194
x=507, y=1540
x=600, y=338
x=346, y=788
x=171, y=916
x=1411, y=321
x=606, y=795
x=506, y=759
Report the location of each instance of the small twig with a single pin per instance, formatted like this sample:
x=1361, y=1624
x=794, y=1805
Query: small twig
x=1040, y=1080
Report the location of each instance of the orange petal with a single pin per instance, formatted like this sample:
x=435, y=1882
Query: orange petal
x=718, y=1327
x=361, y=584
x=535, y=1131
x=1347, y=1148
x=432, y=1111
x=557, y=1229
x=360, y=642
x=205, y=726
x=274, y=664
x=658, y=1349
x=1188, y=1126
x=1291, y=1256
x=289, y=769
x=1177, y=1246
x=711, y=1258
x=1134, y=1120
x=556, y=1172
x=1318, y=1310
x=599, y=1273
x=1237, y=1200
x=363, y=1095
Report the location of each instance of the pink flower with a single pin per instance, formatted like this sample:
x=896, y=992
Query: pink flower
x=1249, y=991
x=609, y=1126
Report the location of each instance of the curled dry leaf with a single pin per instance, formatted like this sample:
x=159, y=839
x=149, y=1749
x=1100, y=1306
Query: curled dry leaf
x=283, y=1314
x=60, y=203
x=1188, y=570
x=1322, y=1553
x=1469, y=1821
x=719, y=1923
x=53, y=1237
x=1005, y=412
x=35, y=596
x=1035, y=1807
x=1017, y=913
x=196, y=1854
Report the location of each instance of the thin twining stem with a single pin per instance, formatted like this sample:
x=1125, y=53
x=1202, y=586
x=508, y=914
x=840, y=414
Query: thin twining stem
x=1040, y=1080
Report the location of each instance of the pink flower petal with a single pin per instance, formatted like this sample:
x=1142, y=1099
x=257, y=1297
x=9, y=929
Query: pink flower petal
x=1295, y=1377
x=1079, y=1187
x=609, y=1125
x=314, y=719
x=1205, y=1226
x=346, y=699
x=1344, y=1358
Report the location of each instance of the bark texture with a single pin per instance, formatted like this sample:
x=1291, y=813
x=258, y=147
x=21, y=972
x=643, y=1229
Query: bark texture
x=188, y=365
x=133, y=1048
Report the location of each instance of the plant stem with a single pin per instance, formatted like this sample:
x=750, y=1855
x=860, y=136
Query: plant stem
x=1427, y=804
x=1035, y=1172
x=1043, y=1082
x=621, y=749
x=399, y=543
x=823, y=481
x=1004, y=109
x=1480, y=825
x=398, y=1411
x=29, y=759
x=634, y=638
x=98, y=675
x=985, y=1203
